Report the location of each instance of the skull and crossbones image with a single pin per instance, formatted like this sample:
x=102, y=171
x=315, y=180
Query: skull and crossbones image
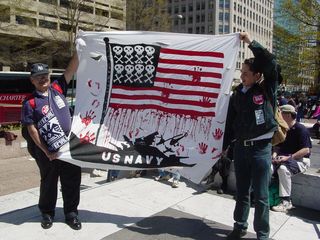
x=129, y=73
x=118, y=50
x=128, y=57
x=150, y=51
x=150, y=69
x=139, y=50
x=139, y=69
x=119, y=69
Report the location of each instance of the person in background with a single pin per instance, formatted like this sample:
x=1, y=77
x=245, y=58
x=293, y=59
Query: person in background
x=112, y=175
x=165, y=176
x=251, y=123
x=283, y=100
x=291, y=101
x=44, y=111
x=291, y=156
x=301, y=107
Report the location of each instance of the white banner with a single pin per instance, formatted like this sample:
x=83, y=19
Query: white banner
x=148, y=100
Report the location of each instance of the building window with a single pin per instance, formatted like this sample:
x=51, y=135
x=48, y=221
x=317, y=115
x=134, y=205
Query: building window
x=54, y=2
x=102, y=12
x=203, y=18
x=117, y=15
x=65, y=27
x=211, y=4
x=47, y=24
x=221, y=16
x=26, y=21
x=64, y=3
x=198, y=6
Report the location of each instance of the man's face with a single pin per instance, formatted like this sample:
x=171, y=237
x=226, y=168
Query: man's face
x=248, y=77
x=41, y=82
x=287, y=117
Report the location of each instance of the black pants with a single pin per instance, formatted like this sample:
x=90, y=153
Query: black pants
x=70, y=178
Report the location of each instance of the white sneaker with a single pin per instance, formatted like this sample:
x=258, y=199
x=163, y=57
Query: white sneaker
x=162, y=178
x=283, y=206
x=175, y=184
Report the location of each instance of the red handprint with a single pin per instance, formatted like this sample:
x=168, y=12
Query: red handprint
x=88, y=118
x=131, y=133
x=203, y=148
x=217, y=134
x=165, y=93
x=94, y=87
x=87, y=138
x=205, y=100
x=214, y=149
x=95, y=103
x=196, y=76
x=180, y=150
x=217, y=156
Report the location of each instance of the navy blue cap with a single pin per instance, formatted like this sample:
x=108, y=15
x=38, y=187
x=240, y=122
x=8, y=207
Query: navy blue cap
x=39, y=69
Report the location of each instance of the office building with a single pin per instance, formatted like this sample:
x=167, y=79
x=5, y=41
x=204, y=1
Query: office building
x=32, y=24
x=223, y=17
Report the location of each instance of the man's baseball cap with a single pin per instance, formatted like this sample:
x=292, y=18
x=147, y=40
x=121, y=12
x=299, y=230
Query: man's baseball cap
x=39, y=69
x=287, y=108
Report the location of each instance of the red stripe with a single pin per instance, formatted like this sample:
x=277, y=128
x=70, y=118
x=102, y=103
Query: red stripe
x=191, y=63
x=187, y=83
x=192, y=53
x=188, y=72
x=164, y=109
x=163, y=99
x=167, y=90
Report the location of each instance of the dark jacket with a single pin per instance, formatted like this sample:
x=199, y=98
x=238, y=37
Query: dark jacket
x=251, y=114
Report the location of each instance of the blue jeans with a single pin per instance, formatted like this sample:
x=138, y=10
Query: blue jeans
x=252, y=169
x=176, y=175
x=112, y=174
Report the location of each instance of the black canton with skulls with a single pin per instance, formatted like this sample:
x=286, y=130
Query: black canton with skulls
x=134, y=65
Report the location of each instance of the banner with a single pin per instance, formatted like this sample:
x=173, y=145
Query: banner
x=147, y=100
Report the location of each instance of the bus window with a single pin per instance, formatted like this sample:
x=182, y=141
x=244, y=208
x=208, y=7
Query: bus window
x=14, y=88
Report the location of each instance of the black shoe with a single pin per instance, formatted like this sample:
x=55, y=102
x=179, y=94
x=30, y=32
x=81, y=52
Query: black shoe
x=236, y=234
x=46, y=221
x=73, y=221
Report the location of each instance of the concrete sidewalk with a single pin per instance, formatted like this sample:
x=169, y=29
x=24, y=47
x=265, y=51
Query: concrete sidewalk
x=143, y=209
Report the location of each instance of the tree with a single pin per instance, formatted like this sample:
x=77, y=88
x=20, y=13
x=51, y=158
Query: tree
x=53, y=35
x=148, y=15
x=307, y=37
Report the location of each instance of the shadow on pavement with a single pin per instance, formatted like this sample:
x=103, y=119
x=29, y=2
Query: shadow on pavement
x=174, y=224
x=32, y=214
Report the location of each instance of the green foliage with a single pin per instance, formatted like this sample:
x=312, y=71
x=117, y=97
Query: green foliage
x=304, y=37
x=148, y=15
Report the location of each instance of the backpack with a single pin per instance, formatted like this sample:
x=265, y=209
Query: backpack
x=31, y=146
x=280, y=134
x=274, y=198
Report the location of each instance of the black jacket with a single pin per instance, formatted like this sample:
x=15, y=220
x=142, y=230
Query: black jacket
x=251, y=114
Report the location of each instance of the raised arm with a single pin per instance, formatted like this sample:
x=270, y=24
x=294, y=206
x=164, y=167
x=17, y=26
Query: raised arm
x=72, y=67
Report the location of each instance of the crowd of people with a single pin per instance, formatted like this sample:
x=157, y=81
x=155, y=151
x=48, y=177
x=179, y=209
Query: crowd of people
x=249, y=129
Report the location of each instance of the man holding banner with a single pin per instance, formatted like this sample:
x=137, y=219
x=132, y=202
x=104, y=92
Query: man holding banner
x=47, y=118
x=250, y=121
